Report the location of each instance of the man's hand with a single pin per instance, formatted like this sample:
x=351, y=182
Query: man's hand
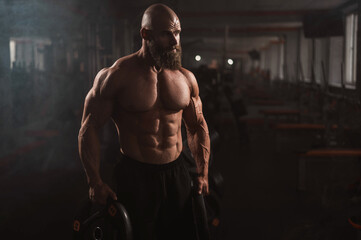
x=100, y=192
x=203, y=187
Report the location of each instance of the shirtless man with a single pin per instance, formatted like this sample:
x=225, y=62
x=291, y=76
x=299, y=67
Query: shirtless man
x=147, y=94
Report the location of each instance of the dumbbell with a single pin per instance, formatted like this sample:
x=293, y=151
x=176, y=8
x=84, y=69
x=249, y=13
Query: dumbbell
x=99, y=222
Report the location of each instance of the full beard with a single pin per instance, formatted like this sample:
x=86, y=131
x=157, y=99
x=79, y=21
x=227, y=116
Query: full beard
x=166, y=58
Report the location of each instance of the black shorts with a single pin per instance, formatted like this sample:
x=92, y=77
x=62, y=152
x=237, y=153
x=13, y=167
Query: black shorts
x=157, y=198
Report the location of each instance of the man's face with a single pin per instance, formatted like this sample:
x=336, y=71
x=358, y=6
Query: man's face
x=165, y=47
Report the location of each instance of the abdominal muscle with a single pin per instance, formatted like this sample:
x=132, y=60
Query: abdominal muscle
x=151, y=137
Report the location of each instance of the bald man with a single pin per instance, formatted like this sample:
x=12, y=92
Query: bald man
x=147, y=94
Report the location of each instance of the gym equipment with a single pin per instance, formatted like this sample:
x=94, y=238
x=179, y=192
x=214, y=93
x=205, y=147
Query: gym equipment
x=355, y=222
x=206, y=209
x=99, y=222
x=199, y=214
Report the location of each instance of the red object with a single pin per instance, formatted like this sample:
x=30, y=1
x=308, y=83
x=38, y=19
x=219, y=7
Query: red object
x=252, y=121
x=302, y=126
x=280, y=112
x=267, y=102
x=355, y=225
x=333, y=153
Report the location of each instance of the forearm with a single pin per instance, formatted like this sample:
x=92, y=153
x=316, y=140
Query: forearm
x=199, y=144
x=89, y=151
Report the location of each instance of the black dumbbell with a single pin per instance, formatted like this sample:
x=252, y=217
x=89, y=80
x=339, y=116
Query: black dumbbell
x=100, y=222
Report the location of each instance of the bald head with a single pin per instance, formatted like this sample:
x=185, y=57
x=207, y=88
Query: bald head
x=161, y=36
x=159, y=17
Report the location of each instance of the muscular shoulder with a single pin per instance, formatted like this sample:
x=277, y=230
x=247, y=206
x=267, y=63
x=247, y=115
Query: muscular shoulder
x=125, y=62
x=105, y=83
x=191, y=81
x=110, y=80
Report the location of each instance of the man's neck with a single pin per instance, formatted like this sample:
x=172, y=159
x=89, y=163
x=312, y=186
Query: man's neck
x=144, y=54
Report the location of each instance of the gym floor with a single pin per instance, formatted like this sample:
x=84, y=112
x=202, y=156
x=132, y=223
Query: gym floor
x=42, y=181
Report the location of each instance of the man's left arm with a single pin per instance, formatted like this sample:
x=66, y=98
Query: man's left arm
x=198, y=136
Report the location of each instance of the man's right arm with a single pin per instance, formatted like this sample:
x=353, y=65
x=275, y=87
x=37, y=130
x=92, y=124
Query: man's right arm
x=98, y=108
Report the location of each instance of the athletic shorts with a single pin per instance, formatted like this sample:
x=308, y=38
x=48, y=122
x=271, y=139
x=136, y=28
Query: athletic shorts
x=157, y=198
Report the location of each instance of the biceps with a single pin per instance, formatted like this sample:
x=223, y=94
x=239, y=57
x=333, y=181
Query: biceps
x=193, y=115
x=97, y=110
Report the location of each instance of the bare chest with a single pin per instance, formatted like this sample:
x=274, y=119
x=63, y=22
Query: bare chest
x=167, y=90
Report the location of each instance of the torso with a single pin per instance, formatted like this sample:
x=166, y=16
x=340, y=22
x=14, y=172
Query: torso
x=148, y=112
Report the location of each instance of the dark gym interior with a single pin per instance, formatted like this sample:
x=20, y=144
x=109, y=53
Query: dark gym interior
x=280, y=83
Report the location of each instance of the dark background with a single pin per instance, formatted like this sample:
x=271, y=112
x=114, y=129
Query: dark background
x=50, y=52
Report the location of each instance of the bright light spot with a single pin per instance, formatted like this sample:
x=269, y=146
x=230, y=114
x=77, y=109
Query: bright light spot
x=230, y=61
x=12, y=53
x=197, y=58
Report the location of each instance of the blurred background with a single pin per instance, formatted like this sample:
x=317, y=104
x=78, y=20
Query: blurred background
x=258, y=64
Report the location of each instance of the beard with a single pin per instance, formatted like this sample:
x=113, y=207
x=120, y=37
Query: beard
x=166, y=58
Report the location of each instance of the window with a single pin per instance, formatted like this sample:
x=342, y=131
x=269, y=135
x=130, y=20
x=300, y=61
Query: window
x=306, y=59
x=320, y=59
x=335, y=61
x=27, y=53
x=263, y=59
x=274, y=52
x=350, y=49
x=281, y=60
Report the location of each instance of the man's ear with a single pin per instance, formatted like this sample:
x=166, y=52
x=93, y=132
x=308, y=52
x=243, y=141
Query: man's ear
x=145, y=34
